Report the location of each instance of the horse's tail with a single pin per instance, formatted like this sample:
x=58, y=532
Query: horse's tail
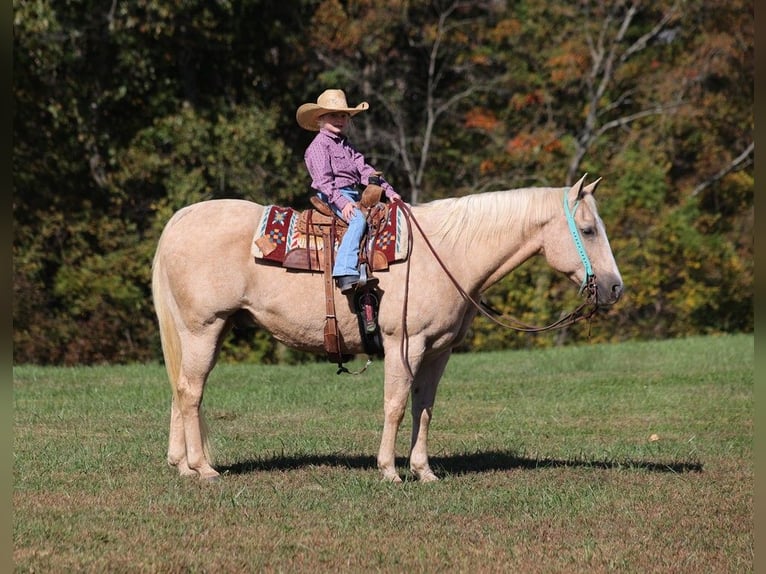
x=171, y=343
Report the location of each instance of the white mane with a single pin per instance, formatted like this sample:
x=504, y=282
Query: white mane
x=485, y=214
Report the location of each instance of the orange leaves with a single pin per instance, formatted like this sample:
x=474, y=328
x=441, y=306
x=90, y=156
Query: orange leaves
x=505, y=31
x=522, y=142
x=525, y=100
x=481, y=119
x=525, y=146
x=332, y=28
x=350, y=28
x=487, y=166
x=568, y=66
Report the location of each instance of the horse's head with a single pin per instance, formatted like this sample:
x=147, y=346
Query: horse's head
x=577, y=245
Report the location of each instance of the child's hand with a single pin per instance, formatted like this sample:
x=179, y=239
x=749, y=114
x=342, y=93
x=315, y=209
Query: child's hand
x=348, y=211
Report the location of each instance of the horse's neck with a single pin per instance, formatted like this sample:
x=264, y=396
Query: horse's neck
x=482, y=245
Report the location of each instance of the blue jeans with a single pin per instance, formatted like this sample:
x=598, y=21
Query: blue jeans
x=347, y=258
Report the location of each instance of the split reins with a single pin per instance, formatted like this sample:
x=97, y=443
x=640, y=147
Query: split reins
x=581, y=312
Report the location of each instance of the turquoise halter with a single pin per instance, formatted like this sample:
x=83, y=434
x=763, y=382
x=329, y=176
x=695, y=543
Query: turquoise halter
x=577, y=239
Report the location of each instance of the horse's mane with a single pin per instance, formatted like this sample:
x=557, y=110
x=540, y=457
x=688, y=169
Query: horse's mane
x=484, y=213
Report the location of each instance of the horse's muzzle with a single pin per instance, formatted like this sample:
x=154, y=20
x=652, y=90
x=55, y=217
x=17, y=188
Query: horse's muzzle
x=602, y=292
x=606, y=292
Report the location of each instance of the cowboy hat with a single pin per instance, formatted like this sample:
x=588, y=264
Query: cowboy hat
x=328, y=101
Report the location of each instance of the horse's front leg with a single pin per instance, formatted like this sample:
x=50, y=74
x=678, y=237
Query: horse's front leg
x=395, y=394
x=423, y=396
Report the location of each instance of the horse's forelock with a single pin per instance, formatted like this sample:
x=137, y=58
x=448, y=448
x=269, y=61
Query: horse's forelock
x=592, y=204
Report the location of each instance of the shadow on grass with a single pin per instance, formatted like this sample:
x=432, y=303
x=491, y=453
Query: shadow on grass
x=457, y=464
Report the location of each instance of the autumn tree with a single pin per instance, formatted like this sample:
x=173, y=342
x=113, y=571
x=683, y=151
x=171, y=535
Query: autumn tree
x=419, y=64
x=125, y=112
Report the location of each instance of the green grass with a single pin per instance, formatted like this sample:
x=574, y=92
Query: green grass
x=545, y=459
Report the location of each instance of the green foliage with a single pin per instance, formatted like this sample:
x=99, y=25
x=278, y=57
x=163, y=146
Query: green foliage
x=185, y=158
x=126, y=112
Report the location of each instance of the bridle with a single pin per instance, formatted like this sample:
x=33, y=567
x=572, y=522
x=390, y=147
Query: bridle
x=589, y=276
x=585, y=310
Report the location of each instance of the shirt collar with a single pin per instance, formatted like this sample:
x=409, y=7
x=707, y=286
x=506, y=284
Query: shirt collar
x=333, y=136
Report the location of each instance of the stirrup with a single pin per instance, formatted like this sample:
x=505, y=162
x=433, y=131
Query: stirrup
x=362, y=275
x=364, y=278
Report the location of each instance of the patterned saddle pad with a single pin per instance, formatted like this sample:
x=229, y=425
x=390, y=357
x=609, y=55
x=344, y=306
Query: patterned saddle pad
x=281, y=236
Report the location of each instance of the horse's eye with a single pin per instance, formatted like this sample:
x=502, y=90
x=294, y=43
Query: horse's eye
x=588, y=231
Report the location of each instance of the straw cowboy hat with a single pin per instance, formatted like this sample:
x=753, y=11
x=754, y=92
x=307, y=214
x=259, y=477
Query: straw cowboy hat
x=327, y=102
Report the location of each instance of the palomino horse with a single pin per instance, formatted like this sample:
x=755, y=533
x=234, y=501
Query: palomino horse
x=205, y=278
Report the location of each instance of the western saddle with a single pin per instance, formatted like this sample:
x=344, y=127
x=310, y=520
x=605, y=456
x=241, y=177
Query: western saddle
x=322, y=224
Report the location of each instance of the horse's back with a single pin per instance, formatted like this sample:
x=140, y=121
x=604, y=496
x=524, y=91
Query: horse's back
x=205, y=247
x=214, y=213
x=202, y=226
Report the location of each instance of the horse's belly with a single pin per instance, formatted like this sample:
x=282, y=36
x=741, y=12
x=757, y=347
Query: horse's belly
x=297, y=318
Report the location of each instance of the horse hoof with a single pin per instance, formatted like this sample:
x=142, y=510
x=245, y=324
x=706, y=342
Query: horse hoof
x=392, y=478
x=184, y=470
x=208, y=474
x=428, y=477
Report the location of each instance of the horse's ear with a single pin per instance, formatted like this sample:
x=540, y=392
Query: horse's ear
x=577, y=187
x=591, y=187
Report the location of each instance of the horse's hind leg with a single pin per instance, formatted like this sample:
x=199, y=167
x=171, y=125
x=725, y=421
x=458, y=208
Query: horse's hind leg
x=188, y=434
x=177, y=441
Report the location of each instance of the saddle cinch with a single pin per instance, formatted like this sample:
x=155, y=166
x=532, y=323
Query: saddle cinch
x=299, y=241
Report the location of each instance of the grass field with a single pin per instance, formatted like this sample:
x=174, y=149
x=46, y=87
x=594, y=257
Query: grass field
x=634, y=457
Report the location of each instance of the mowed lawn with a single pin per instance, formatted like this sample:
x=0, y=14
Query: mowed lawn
x=632, y=457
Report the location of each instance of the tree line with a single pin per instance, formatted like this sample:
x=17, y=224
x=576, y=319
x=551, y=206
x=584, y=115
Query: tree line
x=127, y=111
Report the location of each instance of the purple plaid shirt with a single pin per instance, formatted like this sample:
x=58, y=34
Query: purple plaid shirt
x=333, y=163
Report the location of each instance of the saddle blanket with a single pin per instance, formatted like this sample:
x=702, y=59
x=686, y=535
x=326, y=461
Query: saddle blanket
x=278, y=233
